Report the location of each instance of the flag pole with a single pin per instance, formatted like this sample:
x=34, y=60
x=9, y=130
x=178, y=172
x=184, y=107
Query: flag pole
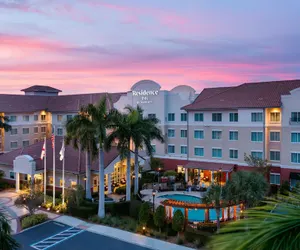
x=53, y=166
x=45, y=169
x=63, y=173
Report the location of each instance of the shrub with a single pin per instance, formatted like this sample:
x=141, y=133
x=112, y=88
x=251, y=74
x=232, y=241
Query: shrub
x=120, y=190
x=144, y=213
x=160, y=217
x=83, y=212
x=170, y=231
x=178, y=221
x=179, y=241
x=191, y=235
x=118, y=208
x=34, y=219
x=134, y=209
x=198, y=243
x=285, y=188
x=29, y=201
x=75, y=196
x=57, y=193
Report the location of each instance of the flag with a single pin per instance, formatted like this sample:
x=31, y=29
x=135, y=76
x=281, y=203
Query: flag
x=62, y=151
x=53, y=140
x=43, y=150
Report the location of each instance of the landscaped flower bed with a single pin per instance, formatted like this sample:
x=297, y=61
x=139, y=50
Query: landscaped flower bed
x=32, y=220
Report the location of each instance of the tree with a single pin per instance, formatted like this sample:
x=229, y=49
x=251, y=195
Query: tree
x=160, y=217
x=81, y=133
x=247, y=187
x=156, y=164
x=6, y=241
x=214, y=196
x=144, y=214
x=30, y=201
x=75, y=196
x=260, y=165
x=4, y=123
x=178, y=222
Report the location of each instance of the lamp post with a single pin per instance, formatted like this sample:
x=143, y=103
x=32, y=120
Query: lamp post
x=153, y=195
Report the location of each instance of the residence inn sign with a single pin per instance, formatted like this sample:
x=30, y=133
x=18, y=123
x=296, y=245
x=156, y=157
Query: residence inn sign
x=144, y=91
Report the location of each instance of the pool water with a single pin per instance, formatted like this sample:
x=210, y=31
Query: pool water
x=182, y=197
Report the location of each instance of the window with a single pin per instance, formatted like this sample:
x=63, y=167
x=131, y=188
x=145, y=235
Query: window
x=35, y=117
x=36, y=130
x=25, y=131
x=295, y=157
x=216, y=117
x=216, y=135
x=295, y=116
x=199, y=134
x=61, y=182
x=25, y=143
x=12, y=118
x=43, y=117
x=198, y=117
x=59, y=131
x=171, y=117
x=274, y=136
x=275, y=179
x=257, y=136
x=257, y=117
x=199, y=151
x=233, y=117
x=183, y=133
x=12, y=175
x=217, y=153
x=50, y=180
x=151, y=116
x=183, y=117
x=14, y=131
x=275, y=116
x=153, y=148
x=183, y=150
x=274, y=155
x=233, y=153
x=36, y=140
x=73, y=184
x=43, y=129
x=233, y=135
x=257, y=154
x=13, y=144
x=59, y=118
x=171, y=133
x=171, y=149
x=26, y=118
x=295, y=137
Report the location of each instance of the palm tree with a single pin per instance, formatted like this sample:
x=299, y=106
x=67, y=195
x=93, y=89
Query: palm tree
x=81, y=133
x=144, y=130
x=4, y=123
x=214, y=196
x=6, y=241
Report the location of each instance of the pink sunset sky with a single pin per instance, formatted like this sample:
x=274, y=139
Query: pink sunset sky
x=82, y=46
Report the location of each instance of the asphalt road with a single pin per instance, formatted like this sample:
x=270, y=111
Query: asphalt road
x=84, y=240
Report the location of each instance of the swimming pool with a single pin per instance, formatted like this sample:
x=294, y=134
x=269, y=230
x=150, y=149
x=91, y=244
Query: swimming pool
x=182, y=197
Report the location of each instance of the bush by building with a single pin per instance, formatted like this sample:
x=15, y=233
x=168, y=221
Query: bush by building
x=144, y=213
x=33, y=220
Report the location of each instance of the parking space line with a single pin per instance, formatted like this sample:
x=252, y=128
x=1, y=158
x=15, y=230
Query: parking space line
x=56, y=238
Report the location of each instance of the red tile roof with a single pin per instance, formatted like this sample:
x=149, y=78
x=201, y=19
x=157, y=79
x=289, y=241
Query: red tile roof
x=247, y=95
x=41, y=88
x=74, y=160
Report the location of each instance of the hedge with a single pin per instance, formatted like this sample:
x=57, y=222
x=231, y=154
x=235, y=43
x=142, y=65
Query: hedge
x=191, y=235
x=57, y=193
x=120, y=190
x=34, y=219
x=83, y=212
x=118, y=208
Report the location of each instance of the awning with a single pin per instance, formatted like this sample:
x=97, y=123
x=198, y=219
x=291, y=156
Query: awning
x=214, y=166
x=295, y=176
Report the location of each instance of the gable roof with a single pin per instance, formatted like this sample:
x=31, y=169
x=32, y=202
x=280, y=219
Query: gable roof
x=41, y=88
x=247, y=95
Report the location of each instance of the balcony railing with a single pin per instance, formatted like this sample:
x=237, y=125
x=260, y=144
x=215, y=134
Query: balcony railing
x=294, y=121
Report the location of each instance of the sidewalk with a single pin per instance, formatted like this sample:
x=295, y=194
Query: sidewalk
x=120, y=234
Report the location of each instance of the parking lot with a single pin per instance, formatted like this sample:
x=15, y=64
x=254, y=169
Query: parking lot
x=58, y=236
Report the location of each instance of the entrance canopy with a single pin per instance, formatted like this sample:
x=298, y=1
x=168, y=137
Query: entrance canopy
x=24, y=164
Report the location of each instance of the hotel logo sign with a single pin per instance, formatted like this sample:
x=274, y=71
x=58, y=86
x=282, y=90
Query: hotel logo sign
x=144, y=94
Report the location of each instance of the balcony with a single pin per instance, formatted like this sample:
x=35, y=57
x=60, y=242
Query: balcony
x=294, y=122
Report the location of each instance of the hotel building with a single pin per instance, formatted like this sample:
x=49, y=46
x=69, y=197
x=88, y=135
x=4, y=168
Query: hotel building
x=204, y=133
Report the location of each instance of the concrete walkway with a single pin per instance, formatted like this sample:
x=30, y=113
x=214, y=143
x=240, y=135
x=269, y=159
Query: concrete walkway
x=120, y=234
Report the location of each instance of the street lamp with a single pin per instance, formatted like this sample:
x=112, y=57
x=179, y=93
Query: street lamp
x=153, y=195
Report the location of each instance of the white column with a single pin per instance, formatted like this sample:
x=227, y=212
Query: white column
x=212, y=176
x=186, y=175
x=109, y=183
x=17, y=182
x=226, y=176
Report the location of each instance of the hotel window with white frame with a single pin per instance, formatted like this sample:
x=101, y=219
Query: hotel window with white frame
x=216, y=135
x=13, y=118
x=14, y=131
x=257, y=154
x=43, y=117
x=257, y=117
x=59, y=118
x=233, y=153
x=199, y=134
x=60, y=131
x=233, y=135
x=233, y=117
x=295, y=157
x=295, y=137
x=256, y=136
x=183, y=150
x=275, y=136
x=183, y=117
x=198, y=117
x=25, y=143
x=13, y=144
x=35, y=130
x=153, y=148
x=216, y=117
x=183, y=133
x=12, y=175
x=295, y=117
x=198, y=151
x=26, y=118
x=275, y=116
x=25, y=131
x=274, y=179
x=171, y=149
x=274, y=155
x=35, y=118
x=171, y=117
x=217, y=153
x=43, y=129
x=171, y=133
